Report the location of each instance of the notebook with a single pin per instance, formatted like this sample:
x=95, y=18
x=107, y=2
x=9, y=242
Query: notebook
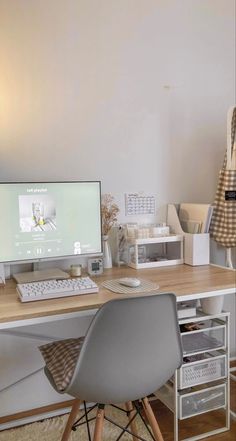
x=191, y=226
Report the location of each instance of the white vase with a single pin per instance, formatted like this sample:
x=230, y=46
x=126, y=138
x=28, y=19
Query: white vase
x=107, y=259
x=212, y=305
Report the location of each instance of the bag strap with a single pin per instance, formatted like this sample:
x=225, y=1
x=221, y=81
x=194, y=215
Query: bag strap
x=233, y=131
x=230, y=159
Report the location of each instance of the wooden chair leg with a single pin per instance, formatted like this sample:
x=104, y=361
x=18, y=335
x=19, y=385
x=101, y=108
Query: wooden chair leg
x=71, y=420
x=99, y=424
x=129, y=407
x=152, y=420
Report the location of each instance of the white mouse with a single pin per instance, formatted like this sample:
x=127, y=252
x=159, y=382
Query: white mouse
x=130, y=281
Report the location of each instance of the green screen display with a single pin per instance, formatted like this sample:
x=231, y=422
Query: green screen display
x=46, y=220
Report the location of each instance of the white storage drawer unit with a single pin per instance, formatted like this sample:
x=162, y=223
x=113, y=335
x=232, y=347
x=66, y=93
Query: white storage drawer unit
x=202, y=401
x=202, y=371
x=208, y=336
x=201, y=384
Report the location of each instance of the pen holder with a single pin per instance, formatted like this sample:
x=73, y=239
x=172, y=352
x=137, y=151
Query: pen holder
x=196, y=245
x=196, y=249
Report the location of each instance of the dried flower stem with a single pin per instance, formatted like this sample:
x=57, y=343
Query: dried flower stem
x=109, y=213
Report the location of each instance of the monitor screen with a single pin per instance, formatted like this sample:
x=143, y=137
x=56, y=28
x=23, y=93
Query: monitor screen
x=49, y=220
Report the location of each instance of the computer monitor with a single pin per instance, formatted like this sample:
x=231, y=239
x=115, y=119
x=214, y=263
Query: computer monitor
x=49, y=220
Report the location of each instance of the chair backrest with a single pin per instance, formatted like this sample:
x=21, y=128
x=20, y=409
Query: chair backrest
x=131, y=349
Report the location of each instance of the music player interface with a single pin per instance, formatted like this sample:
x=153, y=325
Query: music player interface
x=49, y=220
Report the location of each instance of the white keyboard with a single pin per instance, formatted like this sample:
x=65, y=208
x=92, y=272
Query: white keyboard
x=50, y=289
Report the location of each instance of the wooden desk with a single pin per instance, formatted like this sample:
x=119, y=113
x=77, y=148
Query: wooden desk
x=185, y=281
x=24, y=374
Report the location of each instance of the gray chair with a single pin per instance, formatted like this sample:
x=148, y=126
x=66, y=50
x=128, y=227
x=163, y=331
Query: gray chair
x=131, y=349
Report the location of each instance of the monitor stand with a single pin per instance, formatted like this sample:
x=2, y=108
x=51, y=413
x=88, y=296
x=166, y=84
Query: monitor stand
x=37, y=275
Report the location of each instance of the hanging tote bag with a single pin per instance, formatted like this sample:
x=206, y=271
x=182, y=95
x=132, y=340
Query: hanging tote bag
x=223, y=222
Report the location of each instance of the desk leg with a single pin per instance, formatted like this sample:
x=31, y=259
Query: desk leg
x=176, y=406
x=227, y=410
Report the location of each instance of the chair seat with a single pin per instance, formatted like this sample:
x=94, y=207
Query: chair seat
x=60, y=358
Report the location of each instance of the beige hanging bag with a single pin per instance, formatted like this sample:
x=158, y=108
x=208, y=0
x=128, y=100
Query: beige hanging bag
x=223, y=223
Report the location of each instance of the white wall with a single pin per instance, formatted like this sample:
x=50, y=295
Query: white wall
x=132, y=92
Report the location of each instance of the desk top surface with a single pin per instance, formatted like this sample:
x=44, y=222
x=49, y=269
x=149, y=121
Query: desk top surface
x=185, y=281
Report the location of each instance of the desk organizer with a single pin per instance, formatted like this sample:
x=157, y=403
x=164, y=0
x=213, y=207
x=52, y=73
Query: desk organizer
x=147, y=246
x=196, y=246
x=155, y=252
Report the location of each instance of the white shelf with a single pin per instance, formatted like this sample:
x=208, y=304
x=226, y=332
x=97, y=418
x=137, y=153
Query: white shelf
x=156, y=264
x=160, y=239
x=167, y=253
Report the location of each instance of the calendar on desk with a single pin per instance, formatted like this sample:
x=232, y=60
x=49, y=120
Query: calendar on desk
x=138, y=203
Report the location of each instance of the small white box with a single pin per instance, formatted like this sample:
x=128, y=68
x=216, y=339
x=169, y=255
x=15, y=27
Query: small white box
x=196, y=249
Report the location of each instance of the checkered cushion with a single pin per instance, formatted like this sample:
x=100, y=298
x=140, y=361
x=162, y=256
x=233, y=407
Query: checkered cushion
x=60, y=358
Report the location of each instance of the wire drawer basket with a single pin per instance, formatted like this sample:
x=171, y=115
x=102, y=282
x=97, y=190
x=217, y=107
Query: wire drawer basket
x=202, y=401
x=203, y=371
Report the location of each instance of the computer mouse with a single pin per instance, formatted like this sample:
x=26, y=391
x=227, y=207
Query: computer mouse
x=132, y=282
